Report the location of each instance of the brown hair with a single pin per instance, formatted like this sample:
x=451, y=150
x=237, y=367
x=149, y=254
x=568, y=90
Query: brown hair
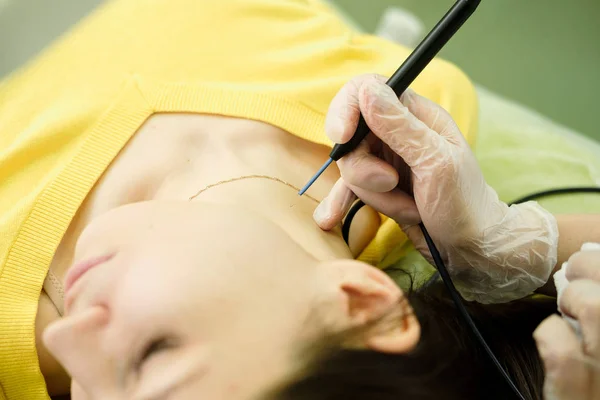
x=447, y=363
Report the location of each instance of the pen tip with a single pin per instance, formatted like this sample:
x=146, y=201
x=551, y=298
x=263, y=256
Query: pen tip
x=314, y=178
x=308, y=185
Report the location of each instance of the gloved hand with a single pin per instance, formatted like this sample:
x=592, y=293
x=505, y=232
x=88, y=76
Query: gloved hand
x=416, y=166
x=570, y=348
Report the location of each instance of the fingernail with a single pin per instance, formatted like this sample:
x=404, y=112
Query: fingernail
x=383, y=97
x=339, y=126
x=322, y=212
x=381, y=89
x=335, y=127
x=407, y=97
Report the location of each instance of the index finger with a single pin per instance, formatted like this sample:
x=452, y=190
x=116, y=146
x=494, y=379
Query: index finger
x=392, y=122
x=344, y=111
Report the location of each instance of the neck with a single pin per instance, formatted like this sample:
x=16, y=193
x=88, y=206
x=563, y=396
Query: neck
x=243, y=148
x=278, y=201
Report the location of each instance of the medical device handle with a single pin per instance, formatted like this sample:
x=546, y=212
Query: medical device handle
x=415, y=64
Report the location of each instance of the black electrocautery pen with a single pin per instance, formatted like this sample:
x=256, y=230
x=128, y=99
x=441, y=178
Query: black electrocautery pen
x=408, y=71
x=399, y=82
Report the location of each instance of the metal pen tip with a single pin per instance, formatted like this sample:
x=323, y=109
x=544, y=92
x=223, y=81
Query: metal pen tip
x=314, y=178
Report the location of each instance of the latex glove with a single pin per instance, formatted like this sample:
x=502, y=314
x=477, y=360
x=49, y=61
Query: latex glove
x=570, y=348
x=416, y=166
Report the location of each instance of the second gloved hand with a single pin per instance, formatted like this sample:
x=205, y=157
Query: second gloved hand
x=416, y=166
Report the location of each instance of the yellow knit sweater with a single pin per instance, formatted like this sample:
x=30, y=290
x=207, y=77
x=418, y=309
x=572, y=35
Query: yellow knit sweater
x=65, y=116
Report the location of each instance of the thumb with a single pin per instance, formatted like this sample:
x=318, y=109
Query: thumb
x=333, y=208
x=567, y=376
x=392, y=122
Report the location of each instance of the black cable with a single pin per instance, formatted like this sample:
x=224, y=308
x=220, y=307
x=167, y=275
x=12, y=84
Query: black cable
x=546, y=193
x=443, y=272
x=349, y=217
x=458, y=301
x=556, y=192
x=451, y=289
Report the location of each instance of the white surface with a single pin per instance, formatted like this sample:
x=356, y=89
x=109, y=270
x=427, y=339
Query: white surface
x=400, y=26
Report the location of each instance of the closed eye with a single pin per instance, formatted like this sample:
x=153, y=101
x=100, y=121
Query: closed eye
x=154, y=347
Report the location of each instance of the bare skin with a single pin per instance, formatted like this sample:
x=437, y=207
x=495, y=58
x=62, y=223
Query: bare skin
x=575, y=230
x=169, y=159
x=173, y=156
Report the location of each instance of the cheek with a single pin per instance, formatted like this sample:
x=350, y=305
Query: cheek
x=196, y=303
x=172, y=279
x=151, y=297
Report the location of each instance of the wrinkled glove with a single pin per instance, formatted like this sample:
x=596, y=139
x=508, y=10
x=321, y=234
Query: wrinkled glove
x=416, y=166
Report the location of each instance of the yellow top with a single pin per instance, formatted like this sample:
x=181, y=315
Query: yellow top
x=65, y=116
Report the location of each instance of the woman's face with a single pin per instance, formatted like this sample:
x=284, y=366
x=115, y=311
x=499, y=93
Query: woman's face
x=194, y=300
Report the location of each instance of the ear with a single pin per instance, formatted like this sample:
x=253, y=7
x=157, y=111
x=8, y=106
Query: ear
x=398, y=336
x=373, y=297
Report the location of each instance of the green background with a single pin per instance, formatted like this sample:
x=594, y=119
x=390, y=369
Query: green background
x=542, y=53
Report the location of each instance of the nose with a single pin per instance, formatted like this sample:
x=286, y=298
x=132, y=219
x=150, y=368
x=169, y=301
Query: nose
x=76, y=342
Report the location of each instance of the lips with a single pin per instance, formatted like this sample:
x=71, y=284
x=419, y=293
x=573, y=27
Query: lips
x=79, y=269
